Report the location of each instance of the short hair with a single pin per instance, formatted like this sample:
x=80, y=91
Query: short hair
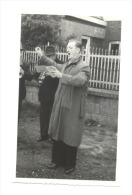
x=78, y=43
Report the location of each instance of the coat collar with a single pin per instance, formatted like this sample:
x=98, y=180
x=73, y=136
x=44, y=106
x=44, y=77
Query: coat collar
x=74, y=61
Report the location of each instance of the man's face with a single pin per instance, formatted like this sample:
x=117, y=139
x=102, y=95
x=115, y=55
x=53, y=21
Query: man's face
x=72, y=50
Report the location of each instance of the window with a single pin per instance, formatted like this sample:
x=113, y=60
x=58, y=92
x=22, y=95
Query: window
x=86, y=48
x=85, y=43
x=114, y=48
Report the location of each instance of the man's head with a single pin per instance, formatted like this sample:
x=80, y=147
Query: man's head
x=73, y=48
x=50, y=52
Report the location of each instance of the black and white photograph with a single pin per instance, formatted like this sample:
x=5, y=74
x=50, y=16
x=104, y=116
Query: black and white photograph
x=68, y=116
x=66, y=87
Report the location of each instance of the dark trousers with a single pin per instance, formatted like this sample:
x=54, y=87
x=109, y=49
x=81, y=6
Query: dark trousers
x=63, y=154
x=45, y=112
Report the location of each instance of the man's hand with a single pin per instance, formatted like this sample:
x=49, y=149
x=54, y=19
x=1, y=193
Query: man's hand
x=56, y=73
x=39, y=51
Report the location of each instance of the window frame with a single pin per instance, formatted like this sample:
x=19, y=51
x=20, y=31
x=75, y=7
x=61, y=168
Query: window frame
x=114, y=42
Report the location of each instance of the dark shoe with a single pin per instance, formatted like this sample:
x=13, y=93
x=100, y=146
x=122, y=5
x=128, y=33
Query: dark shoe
x=52, y=166
x=68, y=171
x=43, y=139
x=40, y=140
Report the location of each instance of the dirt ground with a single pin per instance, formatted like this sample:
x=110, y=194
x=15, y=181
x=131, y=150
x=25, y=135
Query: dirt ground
x=96, y=158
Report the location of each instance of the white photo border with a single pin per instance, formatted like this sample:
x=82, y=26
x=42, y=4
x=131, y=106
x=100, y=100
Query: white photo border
x=11, y=26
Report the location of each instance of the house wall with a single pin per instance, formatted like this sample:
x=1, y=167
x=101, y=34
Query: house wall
x=113, y=32
x=95, y=42
x=71, y=26
x=100, y=36
x=102, y=105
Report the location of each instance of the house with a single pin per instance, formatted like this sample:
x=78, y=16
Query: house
x=112, y=39
x=93, y=31
x=89, y=30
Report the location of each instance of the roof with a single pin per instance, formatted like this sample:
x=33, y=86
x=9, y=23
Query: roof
x=93, y=19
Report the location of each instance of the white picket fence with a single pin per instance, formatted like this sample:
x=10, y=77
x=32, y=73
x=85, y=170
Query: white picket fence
x=104, y=69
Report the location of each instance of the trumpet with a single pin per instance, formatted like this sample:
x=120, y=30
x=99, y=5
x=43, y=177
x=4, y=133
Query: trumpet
x=42, y=77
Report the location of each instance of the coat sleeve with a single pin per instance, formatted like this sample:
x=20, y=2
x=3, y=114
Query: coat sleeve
x=28, y=76
x=77, y=80
x=50, y=62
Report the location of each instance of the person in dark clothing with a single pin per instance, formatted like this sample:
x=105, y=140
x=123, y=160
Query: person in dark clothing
x=46, y=95
x=24, y=75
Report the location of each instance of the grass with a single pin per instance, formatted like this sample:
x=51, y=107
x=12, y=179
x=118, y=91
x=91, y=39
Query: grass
x=96, y=158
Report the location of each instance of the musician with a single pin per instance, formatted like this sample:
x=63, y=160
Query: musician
x=24, y=75
x=46, y=95
x=68, y=113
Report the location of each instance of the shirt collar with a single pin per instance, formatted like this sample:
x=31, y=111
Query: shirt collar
x=74, y=61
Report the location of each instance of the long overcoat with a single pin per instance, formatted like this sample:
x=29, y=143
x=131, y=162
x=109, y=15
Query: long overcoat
x=67, y=117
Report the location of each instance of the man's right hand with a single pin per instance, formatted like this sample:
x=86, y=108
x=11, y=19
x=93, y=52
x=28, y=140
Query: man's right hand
x=39, y=51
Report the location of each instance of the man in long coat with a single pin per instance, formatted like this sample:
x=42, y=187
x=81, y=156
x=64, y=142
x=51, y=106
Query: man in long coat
x=67, y=117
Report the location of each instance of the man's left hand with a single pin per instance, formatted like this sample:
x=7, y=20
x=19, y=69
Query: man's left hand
x=56, y=73
x=39, y=51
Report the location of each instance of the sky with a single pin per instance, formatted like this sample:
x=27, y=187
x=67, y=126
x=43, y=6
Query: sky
x=112, y=18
